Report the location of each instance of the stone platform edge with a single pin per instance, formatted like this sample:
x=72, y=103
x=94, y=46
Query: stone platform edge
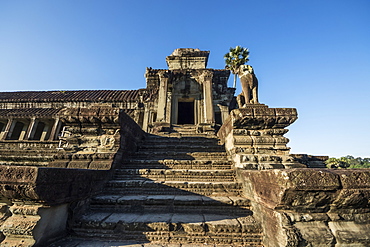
x=321, y=207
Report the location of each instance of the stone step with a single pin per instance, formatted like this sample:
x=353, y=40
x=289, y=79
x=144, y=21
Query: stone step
x=188, y=139
x=175, y=175
x=178, y=189
x=177, y=155
x=189, y=135
x=171, y=204
x=93, y=242
x=171, y=228
x=185, y=129
x=177, y=164
x=150, y=187
x=181, y=148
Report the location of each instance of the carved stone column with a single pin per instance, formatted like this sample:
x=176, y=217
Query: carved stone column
x=206, y=79
x=55, y=129
x=30, y=129
x=168, y=107
x=224, y=112
x=162, y=96
x=7, y=129
x=146, y=116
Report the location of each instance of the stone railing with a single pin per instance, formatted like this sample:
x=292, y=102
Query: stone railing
x=253, y=137
x=311, y=207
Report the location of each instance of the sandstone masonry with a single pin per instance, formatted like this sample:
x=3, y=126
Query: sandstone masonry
x=175, y=164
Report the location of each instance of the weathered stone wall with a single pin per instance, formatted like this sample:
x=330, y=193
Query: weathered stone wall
x=296, y=207
x=311, y=207
x=35, y=202
x=131, y=135
x=93, y=136
x=254, y=137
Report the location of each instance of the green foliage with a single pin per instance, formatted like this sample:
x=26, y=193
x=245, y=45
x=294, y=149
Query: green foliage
x=234, y=58
x=348, y=162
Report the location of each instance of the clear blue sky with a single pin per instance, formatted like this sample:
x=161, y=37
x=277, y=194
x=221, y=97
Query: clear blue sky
x=312, y=55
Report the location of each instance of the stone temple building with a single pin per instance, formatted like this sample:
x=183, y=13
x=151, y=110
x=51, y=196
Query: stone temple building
x=178, y=163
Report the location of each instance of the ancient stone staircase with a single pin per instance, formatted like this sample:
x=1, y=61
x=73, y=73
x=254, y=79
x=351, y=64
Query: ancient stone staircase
x=179, y=188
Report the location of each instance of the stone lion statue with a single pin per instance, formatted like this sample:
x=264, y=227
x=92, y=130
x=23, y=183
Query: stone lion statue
x=249, y=83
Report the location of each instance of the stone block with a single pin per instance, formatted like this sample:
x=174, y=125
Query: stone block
x=79, y=164
x=291, y=188
x=353, y=178
x=316, y=233
x=34, y=224
x=101, y=165
x=350, y=233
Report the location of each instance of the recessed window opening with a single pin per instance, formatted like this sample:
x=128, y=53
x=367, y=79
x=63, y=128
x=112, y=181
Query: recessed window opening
x=18, y=127
x=38, y=132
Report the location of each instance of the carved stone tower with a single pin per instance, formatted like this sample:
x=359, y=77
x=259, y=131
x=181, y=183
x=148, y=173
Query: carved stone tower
x=187, y=92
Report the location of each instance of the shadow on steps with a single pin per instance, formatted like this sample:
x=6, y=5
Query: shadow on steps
x=168, y=195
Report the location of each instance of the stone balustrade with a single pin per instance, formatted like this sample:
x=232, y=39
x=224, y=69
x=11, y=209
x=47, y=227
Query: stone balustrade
x=310, y=207
x=253, y=137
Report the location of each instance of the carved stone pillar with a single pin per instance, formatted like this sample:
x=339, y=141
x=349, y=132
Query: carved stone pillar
x=146, y=119
x=54, y=130
x=224, y=112
x=162, y=96
x=7, y=129
x=206, y=79
x=168, y=107
x=30, y=129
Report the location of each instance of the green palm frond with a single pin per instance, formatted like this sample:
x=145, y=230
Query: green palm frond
x=235, y=58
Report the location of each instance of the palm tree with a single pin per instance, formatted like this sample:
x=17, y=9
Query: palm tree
x=234, y=58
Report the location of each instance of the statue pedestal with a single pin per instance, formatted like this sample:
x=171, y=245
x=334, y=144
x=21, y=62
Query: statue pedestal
x=253, y=137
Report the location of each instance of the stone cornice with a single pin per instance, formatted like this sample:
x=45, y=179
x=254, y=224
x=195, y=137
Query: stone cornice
x=90, y=115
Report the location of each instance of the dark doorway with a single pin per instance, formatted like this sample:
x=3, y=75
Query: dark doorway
x=185, y=113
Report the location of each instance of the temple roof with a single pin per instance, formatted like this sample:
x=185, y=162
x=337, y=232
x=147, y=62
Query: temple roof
x=83, y=95
x=27, y=112
x=38, y=112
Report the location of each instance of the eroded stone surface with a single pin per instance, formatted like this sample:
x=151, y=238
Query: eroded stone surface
x=316, y=207
x=180, y=188
x=173, y=205
x=253, y=137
